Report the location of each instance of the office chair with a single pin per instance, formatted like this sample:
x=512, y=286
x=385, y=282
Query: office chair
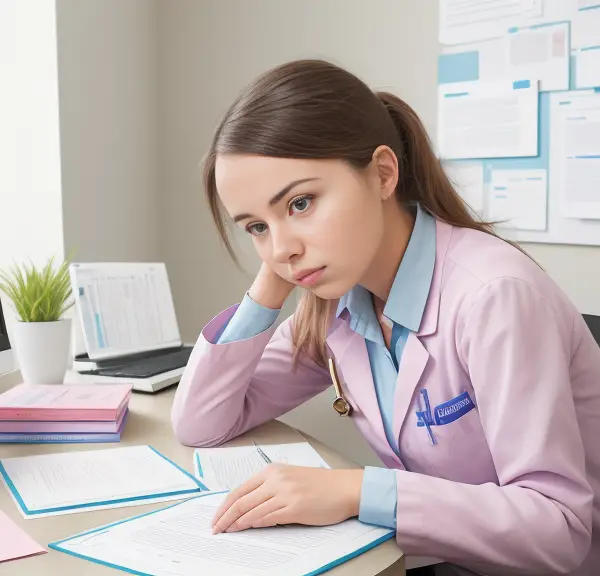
x=593, y=323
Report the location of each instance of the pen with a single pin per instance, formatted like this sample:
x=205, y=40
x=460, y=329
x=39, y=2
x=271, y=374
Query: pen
x=263, y=455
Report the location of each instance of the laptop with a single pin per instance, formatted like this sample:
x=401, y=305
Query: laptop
x=128, y=323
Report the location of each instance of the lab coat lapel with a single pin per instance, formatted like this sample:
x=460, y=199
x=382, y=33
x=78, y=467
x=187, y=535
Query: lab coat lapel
x=415, y=356
x=412, y=364
x=354, y=370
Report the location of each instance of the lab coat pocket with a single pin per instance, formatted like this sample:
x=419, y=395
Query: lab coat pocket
x=459, y=450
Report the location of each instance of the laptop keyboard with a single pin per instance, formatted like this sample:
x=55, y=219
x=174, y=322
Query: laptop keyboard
x=152, y=366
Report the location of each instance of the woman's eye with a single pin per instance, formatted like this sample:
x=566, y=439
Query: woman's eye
x=300, y=205
x=257, y=229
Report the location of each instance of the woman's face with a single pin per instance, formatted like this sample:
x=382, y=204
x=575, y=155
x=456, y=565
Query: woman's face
x=316, y=223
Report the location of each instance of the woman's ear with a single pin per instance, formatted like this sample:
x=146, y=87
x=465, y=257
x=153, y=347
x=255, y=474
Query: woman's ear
x=385, y=166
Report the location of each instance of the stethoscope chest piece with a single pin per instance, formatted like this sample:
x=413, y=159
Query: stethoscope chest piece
x=340, y=404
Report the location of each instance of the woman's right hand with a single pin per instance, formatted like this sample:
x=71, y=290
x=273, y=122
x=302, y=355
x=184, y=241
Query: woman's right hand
x=269, y=289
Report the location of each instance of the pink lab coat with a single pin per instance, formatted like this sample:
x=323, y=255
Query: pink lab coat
x=511, y=487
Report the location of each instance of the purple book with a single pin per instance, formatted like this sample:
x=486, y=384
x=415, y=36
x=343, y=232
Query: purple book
x=64, y=438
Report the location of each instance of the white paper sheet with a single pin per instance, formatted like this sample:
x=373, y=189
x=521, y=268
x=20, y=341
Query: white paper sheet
x=472, y=20
x=226, y=468
x=587, y=68
x=541, y=54
x=575, y=152
x=585, y=28
x=467, y=178
x=488, y=119
x=49, y=484
x=492, y=56
x=177, y=541
x=519, y=198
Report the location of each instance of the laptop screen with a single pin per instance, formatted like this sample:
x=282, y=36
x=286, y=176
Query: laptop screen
x=124, y=308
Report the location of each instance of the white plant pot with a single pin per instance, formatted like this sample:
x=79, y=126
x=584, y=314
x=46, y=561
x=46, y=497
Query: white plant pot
x=42, y=350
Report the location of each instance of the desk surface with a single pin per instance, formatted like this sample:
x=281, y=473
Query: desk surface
x=149, y=423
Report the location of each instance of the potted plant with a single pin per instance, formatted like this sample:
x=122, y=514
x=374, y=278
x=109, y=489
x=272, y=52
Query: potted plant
x=41, y=337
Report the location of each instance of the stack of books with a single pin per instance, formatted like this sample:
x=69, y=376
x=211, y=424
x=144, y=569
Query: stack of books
x=64, y=413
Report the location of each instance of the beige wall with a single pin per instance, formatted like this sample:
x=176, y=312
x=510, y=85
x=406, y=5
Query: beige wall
x=109, y=119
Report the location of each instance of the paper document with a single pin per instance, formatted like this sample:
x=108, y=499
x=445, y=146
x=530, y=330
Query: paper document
x=488, y=119
x=14, y=542
x=467, y=178
x=226, y=468
x=519, y=199
x=585, y=27
x=540, y=53
x=575, y=152
x=178, y=541
x=470, y=20
x=124, y=308
x=587, y=68
x=80, y=481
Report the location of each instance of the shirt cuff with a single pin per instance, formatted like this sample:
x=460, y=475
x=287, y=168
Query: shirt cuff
x=378, y=497
x=249, y=320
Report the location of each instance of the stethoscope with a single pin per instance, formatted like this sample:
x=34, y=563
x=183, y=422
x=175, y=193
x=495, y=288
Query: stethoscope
x=340, y=404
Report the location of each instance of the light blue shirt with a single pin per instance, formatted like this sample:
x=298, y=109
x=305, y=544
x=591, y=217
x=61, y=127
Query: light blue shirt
x=404, y=308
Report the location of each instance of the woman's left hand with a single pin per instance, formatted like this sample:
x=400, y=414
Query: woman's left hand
x=283, y=494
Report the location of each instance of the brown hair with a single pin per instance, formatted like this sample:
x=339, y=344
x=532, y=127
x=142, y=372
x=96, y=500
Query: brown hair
x=314, y=109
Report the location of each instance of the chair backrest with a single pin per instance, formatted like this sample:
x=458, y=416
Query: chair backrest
x=593, y=323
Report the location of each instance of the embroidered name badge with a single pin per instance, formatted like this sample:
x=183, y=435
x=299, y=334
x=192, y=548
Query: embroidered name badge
x=453, y=409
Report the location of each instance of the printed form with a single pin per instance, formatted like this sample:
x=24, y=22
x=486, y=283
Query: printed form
x=470, y=20
x=575, y=152
x=80, y=481
x=229, y=467
x=495, y=119
x=586, y=42
x=178, y=541
x=519, y=199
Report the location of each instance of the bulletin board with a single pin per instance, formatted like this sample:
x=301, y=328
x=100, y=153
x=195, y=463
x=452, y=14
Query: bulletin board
x=543, y=181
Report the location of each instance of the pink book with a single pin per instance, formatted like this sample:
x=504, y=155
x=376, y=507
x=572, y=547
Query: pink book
x=64, y=402
x=62, y=427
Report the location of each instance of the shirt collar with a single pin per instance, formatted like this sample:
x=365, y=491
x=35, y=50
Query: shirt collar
x=410, y=289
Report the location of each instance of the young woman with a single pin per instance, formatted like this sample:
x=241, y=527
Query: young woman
x=467, y=370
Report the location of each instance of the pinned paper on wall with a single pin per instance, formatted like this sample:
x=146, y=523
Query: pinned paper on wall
x=519, y=198
x=488, y=119
x=540, y=52
x=575, y=152
x=472, y=20
x=536, y=52
x=586, y=44
x=467, y=179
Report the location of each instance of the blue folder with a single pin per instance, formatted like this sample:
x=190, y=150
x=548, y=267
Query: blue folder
x=59, y=545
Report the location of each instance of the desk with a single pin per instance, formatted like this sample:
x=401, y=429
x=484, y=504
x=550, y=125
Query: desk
x=149, y=423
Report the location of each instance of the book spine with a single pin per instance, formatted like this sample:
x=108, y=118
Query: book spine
x=58, y=438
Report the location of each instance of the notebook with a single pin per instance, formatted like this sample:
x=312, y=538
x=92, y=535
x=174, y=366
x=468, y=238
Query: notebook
x=178, y=541
x=64, y=402
x=80, y=481
x=228, y=467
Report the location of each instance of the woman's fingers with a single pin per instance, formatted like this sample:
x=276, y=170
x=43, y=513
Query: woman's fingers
x=247, y=487
x=255, y=518
x=239, y=507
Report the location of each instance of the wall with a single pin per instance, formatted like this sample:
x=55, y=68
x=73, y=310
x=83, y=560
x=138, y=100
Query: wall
x=109, y=122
